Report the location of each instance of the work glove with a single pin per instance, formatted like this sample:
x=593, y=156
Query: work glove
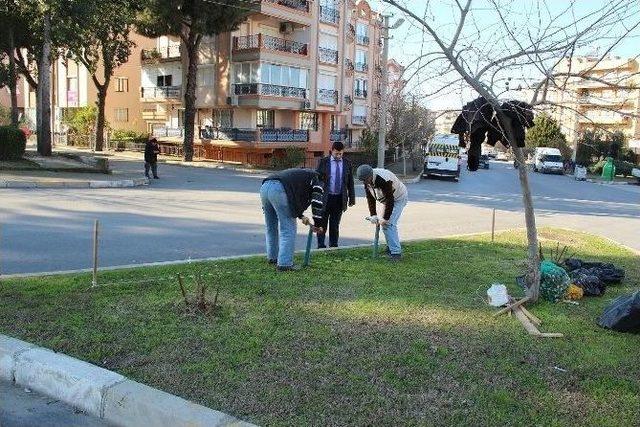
x=305, y=220
x=373, y=219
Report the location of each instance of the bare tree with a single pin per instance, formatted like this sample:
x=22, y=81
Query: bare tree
x=489, y=46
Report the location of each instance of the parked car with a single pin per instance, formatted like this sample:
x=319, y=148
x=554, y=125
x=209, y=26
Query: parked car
x=548, y=160
x=442, y=157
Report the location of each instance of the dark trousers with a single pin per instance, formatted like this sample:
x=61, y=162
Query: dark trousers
x=154, y=169
x=332, y=216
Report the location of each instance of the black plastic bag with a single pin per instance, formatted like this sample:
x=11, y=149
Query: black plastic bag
x=591, y=285
x=623, y=314
x=606, y=272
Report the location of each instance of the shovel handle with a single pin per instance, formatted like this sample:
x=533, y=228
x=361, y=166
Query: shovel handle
x=307, y=254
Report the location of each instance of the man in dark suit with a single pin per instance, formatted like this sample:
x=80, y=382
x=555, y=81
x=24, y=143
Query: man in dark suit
x=151, y=151
x=337, y=177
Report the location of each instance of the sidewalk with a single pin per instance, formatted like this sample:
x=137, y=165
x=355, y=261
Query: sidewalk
x=50, y=179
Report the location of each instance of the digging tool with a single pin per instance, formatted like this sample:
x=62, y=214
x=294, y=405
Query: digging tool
x=307, y=254
x=376, y=237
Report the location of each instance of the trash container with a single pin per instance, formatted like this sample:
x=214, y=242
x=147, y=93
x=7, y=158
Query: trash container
x=580, y=173
x=608, y=170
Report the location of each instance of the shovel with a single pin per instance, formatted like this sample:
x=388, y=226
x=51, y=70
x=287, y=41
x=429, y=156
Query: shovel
x=307, y=253
x=376, y=238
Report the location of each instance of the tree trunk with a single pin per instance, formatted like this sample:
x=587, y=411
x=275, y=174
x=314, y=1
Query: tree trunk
x=13, y=81
x=44, y=91
x=533, y=270
x=100, y=120
x=190, y=96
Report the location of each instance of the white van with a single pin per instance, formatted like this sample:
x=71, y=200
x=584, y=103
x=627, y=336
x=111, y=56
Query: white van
x=442, y=157
x=548, y=160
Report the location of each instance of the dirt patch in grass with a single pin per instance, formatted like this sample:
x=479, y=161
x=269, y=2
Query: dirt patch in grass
x=352, y=341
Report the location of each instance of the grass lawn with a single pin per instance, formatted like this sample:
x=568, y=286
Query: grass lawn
x=352, y=341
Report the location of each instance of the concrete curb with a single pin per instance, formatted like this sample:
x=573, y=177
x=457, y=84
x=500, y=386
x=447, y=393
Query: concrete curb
x=100, y=392
x=122, y=183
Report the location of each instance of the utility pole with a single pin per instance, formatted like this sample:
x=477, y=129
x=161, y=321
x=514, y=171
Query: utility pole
x=382, y=108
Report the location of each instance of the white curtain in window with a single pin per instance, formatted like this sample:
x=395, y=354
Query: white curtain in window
x=326, y=81
x=361, y=56
x=359, y=110
x=328, y=41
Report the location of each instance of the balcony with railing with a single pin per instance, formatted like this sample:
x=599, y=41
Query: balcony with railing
x=362, y=67
x=328, y=96
x=360, y=93
x=338, y=135
x=262, y=135
x=327, y=56
x=241, y=89
x=329, y=15
x=359, y=120
x=160, y=92
x=298, y=5
x=263, y=41
x=351, y=31
x=163, y=54
x=228, y=134
x=362, y=39
x=284, y=135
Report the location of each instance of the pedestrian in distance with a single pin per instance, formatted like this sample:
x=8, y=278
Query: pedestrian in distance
x=285, y=196
x=382, y=185
x=151, y=151
x=337, y=176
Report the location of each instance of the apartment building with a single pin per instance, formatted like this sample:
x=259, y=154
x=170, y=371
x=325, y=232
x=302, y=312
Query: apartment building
x=597, y=100
x=5, y=96
x=296, y=73
x=73, y=87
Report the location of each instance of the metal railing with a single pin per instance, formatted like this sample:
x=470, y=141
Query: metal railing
x=263, y=41
x=269, y=90
x=329, y=15
x=338, y=135
x=328, y=96
x=363, y=67
x=160, y=92
x=329, y=56
x=167, y=132
x=358, y=120
x=167, y=52
x=301, y=5
x=284, y=135
x=351, y=31
x=228, y=134
x=362, y=39
x=360, y=93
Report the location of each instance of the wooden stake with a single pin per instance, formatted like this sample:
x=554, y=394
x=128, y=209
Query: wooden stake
x=531, y=317
x=530, y=327
x=511, y=307
x=94, y=281
x=551, y=335
x=493, y=225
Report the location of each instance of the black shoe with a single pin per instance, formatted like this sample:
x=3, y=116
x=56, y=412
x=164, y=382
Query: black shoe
x=156, y=177
x=272, y=261
x=394, y=257
x=283, y=268
x=322, y=246
x=148, y=177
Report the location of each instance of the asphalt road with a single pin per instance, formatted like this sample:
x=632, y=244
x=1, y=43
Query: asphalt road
x=196, y=213
x=22, y=408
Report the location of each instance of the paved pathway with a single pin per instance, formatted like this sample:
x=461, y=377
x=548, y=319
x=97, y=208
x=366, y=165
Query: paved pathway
x=197, y=212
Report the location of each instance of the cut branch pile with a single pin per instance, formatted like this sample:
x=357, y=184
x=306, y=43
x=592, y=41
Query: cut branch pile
x=199, y=304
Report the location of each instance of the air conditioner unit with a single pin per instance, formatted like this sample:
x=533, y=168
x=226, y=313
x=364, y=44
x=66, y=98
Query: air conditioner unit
x=286, y=27
x=306, y=104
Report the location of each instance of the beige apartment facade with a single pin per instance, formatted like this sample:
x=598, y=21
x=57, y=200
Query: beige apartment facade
x=72, y=87
x=296, y=73
x=608, y=97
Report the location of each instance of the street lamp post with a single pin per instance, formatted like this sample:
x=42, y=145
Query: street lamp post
x=382, y=110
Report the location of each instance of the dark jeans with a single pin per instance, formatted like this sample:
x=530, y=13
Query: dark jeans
x=154, y=169
x=332, y=215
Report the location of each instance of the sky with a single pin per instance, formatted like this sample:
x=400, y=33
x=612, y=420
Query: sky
x=486, y=38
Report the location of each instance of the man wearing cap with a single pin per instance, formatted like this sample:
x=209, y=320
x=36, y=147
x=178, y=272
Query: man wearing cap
x=384, y=186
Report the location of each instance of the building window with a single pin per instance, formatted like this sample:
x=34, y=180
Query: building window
x=266, y=119
x=164, y=81
x=223, y=119
x=122, y=84
x=309, y=121
x=121, y=115
x=362, y=33
x=205, y=76
x=360, y=88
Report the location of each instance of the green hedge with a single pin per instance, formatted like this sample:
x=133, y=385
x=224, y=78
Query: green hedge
x=12, y=143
